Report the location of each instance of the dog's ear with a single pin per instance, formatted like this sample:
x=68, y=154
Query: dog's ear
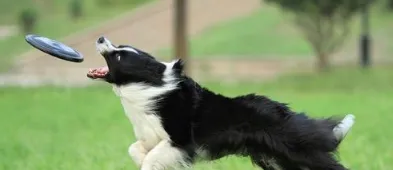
x=178, y=66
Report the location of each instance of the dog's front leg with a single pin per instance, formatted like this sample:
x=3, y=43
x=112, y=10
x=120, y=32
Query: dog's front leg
x=137, y=152
x=165, y=156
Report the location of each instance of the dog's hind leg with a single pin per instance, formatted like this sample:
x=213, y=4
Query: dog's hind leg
x=165, y=156
x=270, y=163
x=262, y=162
x=318, y=161
x=287, y=165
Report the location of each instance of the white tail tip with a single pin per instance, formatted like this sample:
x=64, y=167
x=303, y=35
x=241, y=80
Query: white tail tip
x=342, y=129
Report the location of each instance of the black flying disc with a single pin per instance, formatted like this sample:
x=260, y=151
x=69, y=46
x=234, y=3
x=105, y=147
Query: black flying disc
x=54, y=48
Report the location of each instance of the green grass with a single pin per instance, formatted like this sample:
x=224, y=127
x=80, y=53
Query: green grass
x=57, y=23
x=85, y=128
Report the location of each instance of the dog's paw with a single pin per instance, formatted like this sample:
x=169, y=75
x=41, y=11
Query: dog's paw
x=137, y=152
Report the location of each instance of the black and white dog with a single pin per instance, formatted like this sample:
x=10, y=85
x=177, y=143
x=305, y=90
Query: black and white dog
x=176, y=121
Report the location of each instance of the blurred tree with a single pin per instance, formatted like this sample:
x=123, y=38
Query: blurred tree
x=324, y=23
x=76, y=9
x=389, y=4
x=28, y=19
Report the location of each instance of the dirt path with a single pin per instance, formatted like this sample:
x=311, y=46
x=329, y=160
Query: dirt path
x=148, y=27
x=7, y=30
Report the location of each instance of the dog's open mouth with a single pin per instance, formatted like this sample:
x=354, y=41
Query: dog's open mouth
x=95, y=73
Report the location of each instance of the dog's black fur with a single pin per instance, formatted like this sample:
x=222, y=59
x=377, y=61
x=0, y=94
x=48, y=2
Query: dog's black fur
x=249, y=125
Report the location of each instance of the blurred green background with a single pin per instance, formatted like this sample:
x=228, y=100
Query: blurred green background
x=46, y=126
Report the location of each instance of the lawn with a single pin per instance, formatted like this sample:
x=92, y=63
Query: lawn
x=55, y=22
x=85, y=128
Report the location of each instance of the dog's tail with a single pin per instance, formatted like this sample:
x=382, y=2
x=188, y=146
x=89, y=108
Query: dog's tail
x=341, y=130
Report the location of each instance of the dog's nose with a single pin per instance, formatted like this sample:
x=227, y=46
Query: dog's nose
x=101, y=40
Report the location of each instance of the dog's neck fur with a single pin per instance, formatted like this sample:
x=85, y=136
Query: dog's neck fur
x=140, y=100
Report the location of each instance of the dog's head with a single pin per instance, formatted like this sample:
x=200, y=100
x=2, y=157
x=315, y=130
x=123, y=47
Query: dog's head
x=126, y=64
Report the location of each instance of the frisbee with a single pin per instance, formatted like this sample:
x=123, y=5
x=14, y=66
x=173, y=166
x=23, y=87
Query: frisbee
x=54, y=48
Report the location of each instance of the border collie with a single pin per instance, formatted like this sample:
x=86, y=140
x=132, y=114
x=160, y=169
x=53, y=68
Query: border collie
x=176, y=121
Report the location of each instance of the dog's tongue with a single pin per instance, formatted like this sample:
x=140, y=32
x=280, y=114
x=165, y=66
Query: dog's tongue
x=98, y=72
x=102, y=70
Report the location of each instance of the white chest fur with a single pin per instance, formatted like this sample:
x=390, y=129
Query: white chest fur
x=139, y=106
